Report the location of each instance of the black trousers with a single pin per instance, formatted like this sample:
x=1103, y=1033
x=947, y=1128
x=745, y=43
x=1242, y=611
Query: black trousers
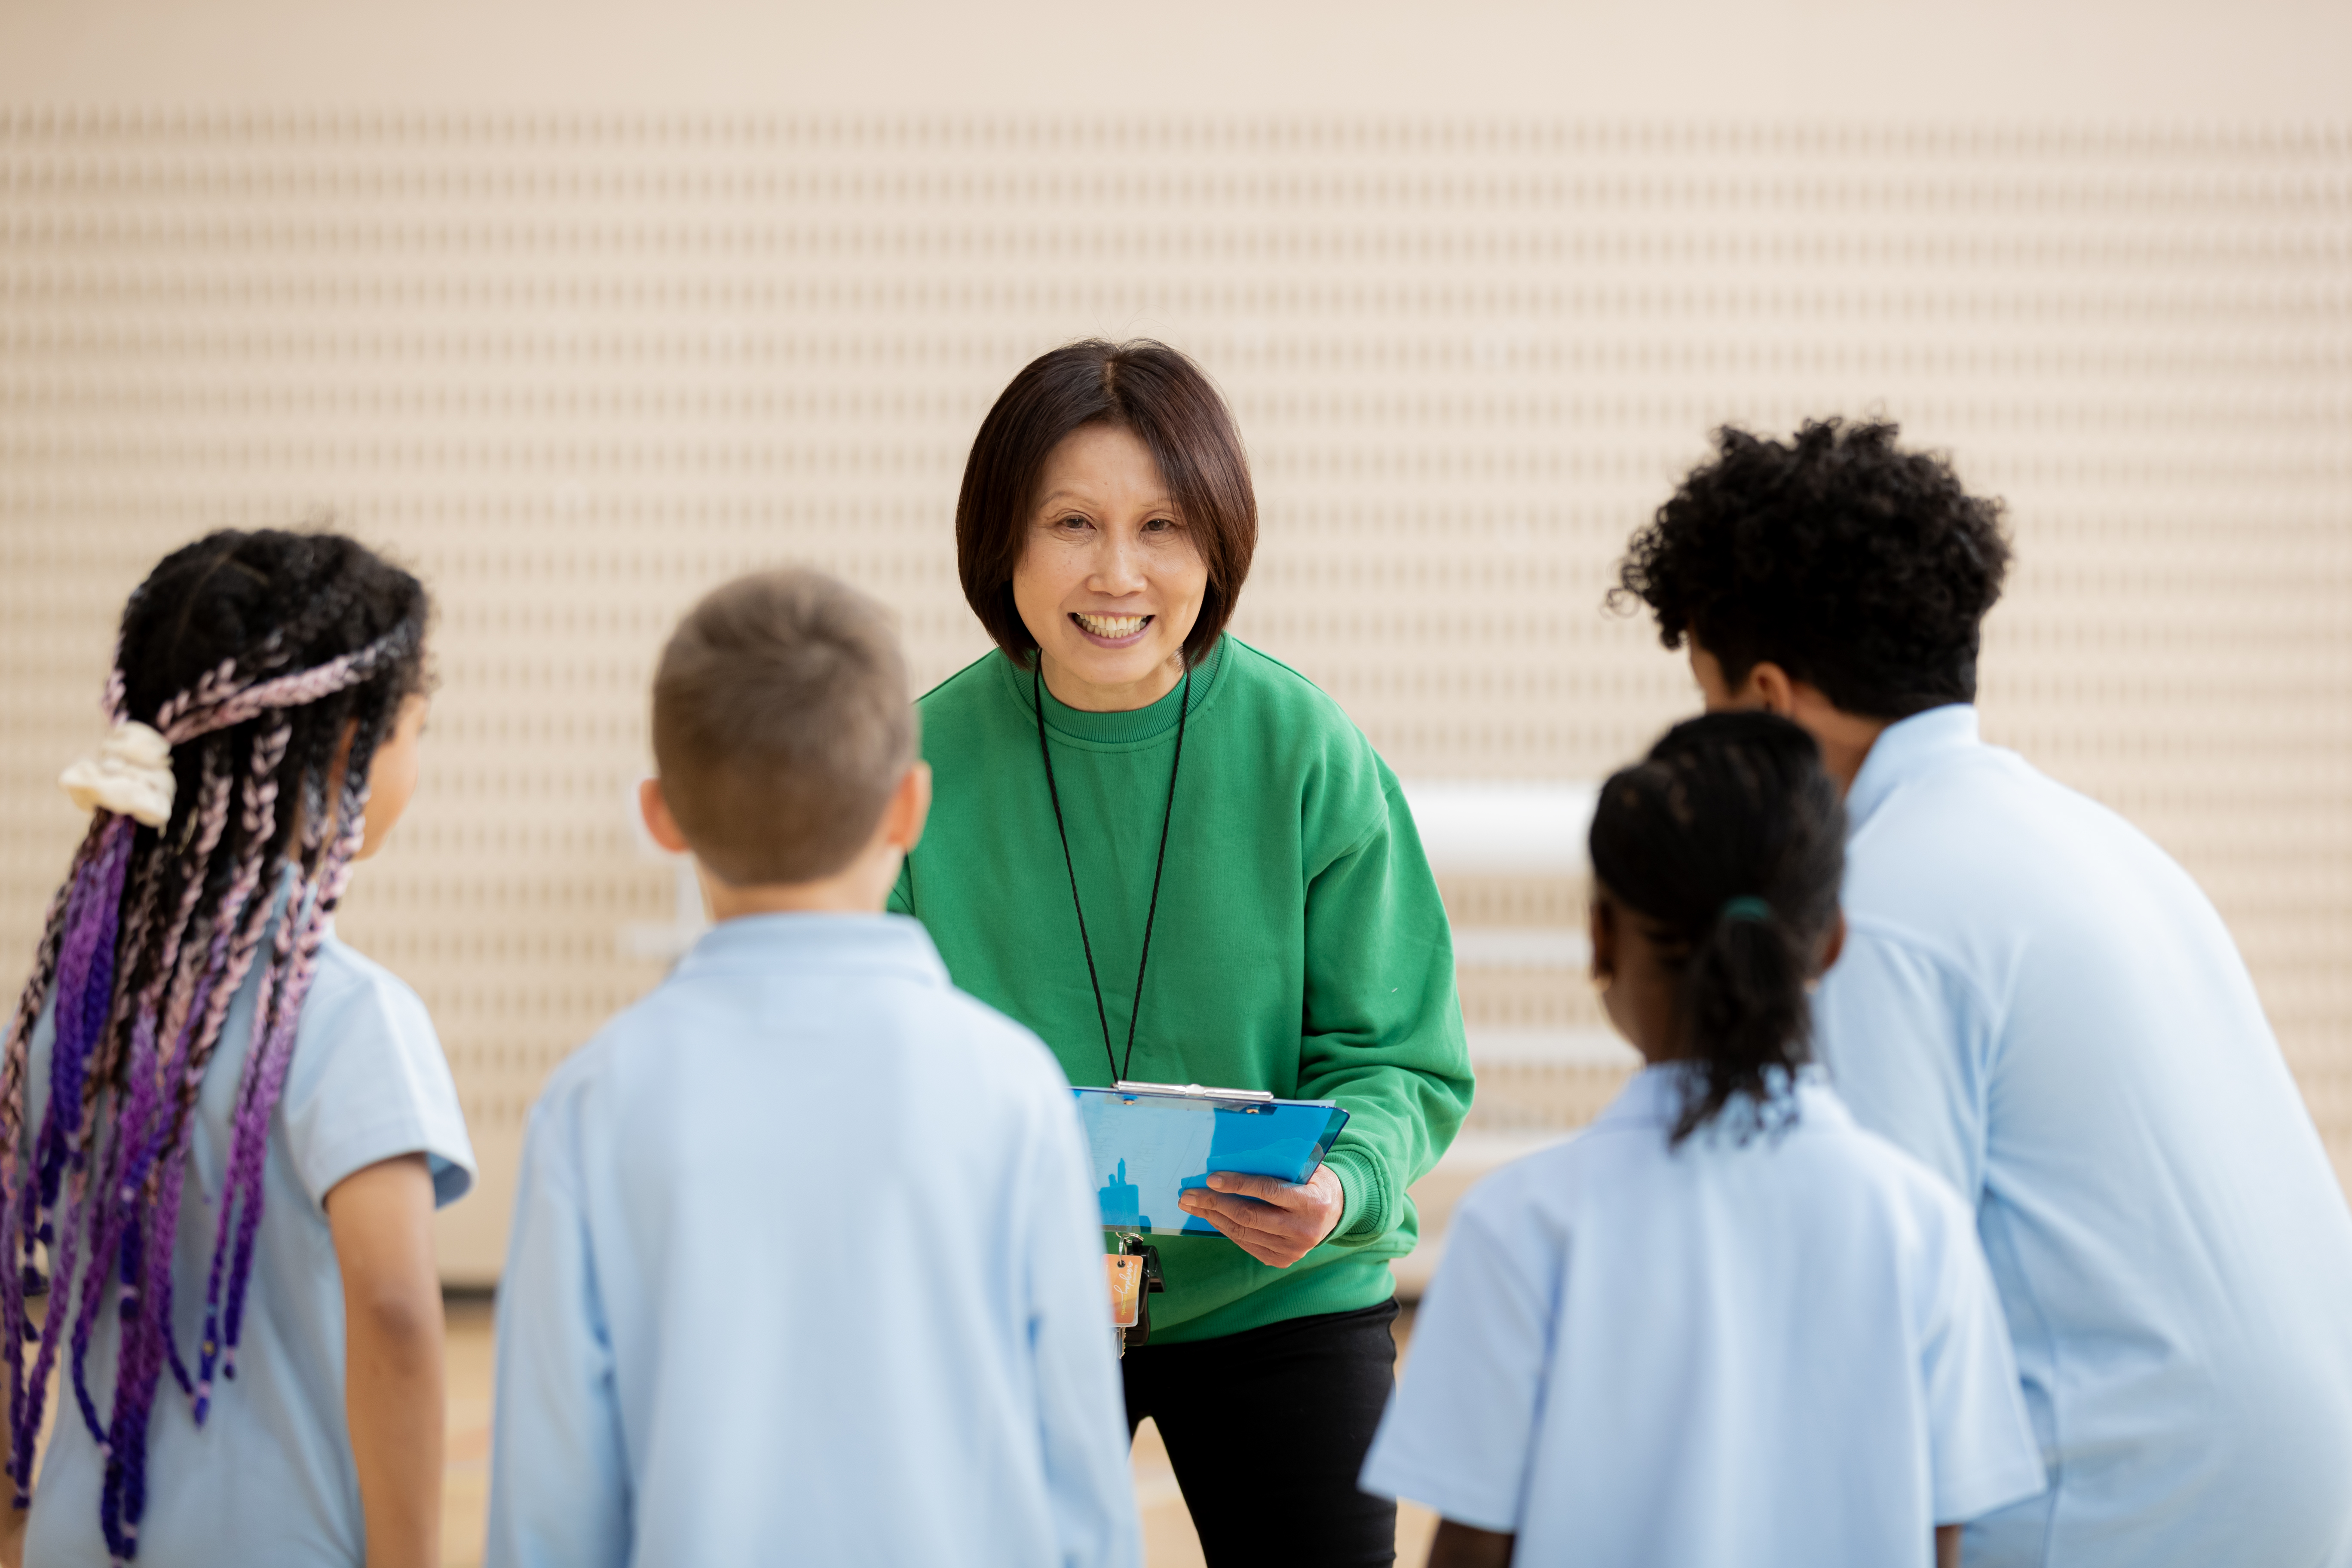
x=1268, y=1429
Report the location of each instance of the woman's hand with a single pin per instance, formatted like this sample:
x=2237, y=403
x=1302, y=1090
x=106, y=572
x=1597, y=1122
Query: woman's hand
x=1274, y=1222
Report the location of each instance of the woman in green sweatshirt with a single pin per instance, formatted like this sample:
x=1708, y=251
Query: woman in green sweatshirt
x=1185, y=791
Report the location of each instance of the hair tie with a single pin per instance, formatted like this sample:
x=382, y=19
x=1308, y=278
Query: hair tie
x=129, y=776
x=1747, y=907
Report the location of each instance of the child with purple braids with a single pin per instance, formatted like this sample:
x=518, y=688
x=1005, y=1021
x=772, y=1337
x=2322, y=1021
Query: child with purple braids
x=222, y=1133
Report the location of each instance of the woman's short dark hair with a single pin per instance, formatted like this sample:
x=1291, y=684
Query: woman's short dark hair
x=1853, y=565
x=1730, y=841
x=1171, y=407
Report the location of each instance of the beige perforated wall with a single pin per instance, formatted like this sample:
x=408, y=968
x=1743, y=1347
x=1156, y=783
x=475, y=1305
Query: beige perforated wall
x=575, y=368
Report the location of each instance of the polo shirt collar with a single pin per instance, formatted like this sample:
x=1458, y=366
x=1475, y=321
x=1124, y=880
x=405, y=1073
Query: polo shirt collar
x=1654, y=1098
x=831, y=942
x=1903, y=751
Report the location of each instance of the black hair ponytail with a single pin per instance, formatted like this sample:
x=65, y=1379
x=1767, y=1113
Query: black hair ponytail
x=1729, y=838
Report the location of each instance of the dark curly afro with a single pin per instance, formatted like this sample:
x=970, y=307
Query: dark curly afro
x=1855, y=566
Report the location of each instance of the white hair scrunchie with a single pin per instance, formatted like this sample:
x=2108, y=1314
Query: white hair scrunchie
x=131, y=775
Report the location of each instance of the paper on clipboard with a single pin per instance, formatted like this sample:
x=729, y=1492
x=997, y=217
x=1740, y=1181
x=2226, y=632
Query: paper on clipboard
x=1151, y=1141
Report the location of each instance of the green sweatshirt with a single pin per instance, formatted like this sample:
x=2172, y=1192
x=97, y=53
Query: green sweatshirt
x=1300, y=946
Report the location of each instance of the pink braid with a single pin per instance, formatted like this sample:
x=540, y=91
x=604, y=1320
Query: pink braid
x=212, y=824
x=214, y=702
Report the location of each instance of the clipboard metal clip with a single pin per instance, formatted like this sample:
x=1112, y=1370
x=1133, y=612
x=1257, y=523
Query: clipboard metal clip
x=1247, y=1098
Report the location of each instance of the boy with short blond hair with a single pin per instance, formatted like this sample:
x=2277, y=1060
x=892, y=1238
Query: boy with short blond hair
x=806, y=1261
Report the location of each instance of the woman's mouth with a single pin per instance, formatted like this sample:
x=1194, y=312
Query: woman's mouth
x=1110, y=631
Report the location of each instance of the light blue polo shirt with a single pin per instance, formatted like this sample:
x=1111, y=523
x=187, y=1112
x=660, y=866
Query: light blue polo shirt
x=808, y=1267
x=267, y=1481
x=2038, y=1003
x=1780, y=1353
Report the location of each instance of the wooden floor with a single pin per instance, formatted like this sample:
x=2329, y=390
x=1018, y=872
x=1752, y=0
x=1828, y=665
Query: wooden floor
x=1168, y=1538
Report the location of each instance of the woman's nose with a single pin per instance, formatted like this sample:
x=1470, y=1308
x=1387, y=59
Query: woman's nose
x=1118, y=566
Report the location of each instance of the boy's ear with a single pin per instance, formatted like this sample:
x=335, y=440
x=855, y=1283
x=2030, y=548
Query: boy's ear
x=910, y=808
x=1604, y=942
x=654, y=806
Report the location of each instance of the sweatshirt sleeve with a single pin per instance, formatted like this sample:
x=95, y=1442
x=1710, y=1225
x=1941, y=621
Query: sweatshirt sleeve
x=1383, y=1026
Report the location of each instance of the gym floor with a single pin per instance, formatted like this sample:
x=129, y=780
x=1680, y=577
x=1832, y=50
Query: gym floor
x=1168, y=1539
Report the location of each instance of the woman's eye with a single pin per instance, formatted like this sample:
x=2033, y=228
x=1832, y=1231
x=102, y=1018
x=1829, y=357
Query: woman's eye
x=1161, y=525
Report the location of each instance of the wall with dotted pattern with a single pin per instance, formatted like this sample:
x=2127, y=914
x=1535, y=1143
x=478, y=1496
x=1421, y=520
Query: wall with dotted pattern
x=576, y=367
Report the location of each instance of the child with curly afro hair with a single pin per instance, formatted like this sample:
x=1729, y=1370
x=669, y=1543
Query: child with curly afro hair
x=2038, y=1003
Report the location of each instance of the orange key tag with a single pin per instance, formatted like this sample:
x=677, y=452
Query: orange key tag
x=1126, y=1276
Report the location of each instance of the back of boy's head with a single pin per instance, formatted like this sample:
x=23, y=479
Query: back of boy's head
x=1729, y=841
x=1858, y=567
x=781, y=724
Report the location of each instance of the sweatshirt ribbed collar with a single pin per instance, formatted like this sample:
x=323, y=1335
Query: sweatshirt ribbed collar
x=1130, y=728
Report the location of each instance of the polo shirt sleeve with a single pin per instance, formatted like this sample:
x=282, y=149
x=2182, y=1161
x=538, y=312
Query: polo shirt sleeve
x=1981, y=1443
x=1909, y=1042
x=1460, y=1433
x=368, y=1083
x=1082, y=1420
x=559, y=1476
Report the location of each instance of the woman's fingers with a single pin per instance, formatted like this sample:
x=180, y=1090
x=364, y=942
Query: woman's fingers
x=1267, y=1246
x=1240, y=1213
x=1266, y=1189
x=1275, y=1222
x=1263, y=1232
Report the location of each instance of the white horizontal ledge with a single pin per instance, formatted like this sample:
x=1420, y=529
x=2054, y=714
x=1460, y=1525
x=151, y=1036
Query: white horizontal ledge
x=1522, y=947
x=1550, y=1047
x=1518, y=827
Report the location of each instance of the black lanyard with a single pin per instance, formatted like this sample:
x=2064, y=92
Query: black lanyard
x=1037, y=690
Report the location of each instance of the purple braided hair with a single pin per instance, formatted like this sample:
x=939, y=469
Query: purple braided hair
x=89, y=923
x=144, y=948
x=277, y=1054
x=17, y=1271
x=125, y=1171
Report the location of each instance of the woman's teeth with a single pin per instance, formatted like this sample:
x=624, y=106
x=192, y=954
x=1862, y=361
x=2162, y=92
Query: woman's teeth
x=1111, y=626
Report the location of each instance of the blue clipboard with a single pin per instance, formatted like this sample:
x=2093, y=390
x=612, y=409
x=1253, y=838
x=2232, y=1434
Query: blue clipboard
x=1149, y=1141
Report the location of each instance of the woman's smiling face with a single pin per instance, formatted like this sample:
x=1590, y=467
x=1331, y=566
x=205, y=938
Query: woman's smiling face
x=1110, y=581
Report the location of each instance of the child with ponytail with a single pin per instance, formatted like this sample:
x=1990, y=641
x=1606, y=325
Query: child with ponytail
x=1723, y=1325
x=222, y=1133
